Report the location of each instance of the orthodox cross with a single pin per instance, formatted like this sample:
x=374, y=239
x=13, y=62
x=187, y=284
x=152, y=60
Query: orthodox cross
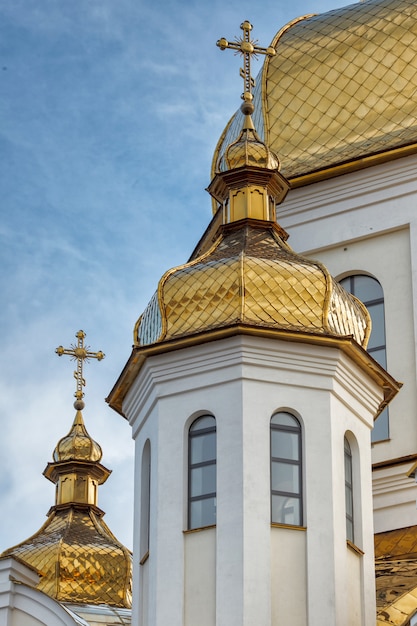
x=248, y=48
x=80, y=353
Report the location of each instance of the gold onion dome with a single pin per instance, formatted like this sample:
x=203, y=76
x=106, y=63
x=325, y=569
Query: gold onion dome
x=251, y=277
x=77, y=445
x=340, y=91
x=248, y=149
x=78, y=558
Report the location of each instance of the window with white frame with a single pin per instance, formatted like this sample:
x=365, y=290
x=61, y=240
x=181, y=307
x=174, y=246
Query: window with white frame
x=370, y=292
x=202, y=472
x=286, y=470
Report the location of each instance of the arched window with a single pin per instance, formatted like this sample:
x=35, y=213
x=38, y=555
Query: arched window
x=145, y=497
x=202, y=472
x=349, y=492
x=286, y=470
x=370, y=292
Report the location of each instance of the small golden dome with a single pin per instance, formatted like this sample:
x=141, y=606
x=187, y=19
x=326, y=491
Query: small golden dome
x=248, y=149
x=251, y=277
x=77, y=445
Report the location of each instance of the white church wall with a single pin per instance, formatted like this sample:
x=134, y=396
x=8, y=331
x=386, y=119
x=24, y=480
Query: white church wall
x=394, y=498
x=288, y=572
x=366, y=222
x=242, y=381
x=200, y=577
x=353, y=592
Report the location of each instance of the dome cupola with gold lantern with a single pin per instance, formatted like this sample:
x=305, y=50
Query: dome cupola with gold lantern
x=247, y=276
x=79, y=560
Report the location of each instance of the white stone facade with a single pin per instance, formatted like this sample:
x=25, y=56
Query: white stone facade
x=366, y=222
x=244, y=571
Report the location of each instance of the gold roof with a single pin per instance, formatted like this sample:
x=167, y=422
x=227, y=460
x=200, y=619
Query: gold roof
x=341, y=88
x=396, y=576
x=77, y=556
x=250, y=276
x=79, y=559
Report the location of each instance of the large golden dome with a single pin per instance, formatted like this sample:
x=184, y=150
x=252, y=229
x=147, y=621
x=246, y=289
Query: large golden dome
x=340, y=91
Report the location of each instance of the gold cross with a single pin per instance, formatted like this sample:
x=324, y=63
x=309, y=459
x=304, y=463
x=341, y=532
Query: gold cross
x=246, y=47
x=80, y=353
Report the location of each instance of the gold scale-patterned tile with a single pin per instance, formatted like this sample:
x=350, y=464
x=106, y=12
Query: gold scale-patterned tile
x=396, y=575
x=396, y=543
x=251, y=277
x=79, y=560
x=341, y=86
x=353, y=67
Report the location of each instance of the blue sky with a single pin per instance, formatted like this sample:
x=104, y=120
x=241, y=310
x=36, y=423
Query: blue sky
x=110, y=112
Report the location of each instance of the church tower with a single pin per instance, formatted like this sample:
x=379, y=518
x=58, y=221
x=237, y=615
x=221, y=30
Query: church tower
x=80, y=562
x=251, y=399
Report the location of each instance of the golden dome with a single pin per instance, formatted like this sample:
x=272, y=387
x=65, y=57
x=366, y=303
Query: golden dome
x=248, y=149
x=77, y=445
x=341, y=88
x=251, y=277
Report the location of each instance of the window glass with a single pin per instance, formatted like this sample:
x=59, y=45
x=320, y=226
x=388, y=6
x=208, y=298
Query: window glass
x=286, y=510
x=206, y=421
x=203, y=448
x=284, y=444
x=377, y=338
x=145, y=498
x=349, y=492
x=366, y=287
x=202, y=472
x=285, y=477
x=203, y=480
x=286, y=470
x=370, y=292
x=202, y=513
x=285, y=419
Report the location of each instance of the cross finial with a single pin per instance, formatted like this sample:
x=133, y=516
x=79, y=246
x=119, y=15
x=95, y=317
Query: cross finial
x=248, y=48
x=80, y=353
